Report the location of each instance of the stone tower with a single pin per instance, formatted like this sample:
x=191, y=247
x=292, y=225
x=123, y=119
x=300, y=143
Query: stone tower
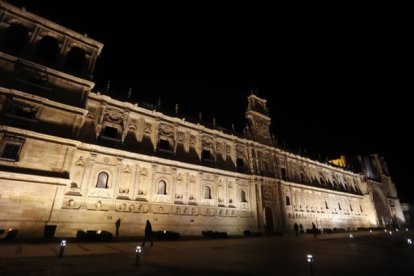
x=258, y=120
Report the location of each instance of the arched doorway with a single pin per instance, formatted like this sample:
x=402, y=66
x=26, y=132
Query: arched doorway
x=268, y=220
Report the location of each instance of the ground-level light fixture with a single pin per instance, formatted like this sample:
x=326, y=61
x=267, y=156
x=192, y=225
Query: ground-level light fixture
x=62, y=248
x=310, y=258
x=310, y=261
x=138, y=251
x=351, y=236
x=409, y=242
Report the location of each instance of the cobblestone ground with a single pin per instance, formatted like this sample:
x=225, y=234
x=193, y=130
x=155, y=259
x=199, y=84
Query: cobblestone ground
x=366, y=254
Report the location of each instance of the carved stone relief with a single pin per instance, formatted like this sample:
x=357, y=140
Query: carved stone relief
x=219, y=147
x=114, y=116
x=71, y=203
x=180, y=137
x=193, y=140
x=93, y=112
x=240, y=150
x=166, y=130
x=147, y=128
x=208, y=142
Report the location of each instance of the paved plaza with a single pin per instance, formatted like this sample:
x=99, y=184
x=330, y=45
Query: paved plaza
x=378, y=253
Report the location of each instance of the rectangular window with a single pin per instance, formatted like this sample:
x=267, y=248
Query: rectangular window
x=283, y=173
x=10, y=148
x=110, y=132
x=206, y=155
x=164, y=145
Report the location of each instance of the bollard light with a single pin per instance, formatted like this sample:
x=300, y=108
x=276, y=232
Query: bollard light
x=165, y=231
x=310, y=261
x=406, y=229
x=396, y=229
x=390, y=233
x=370, y=231
x=138, y=252
x=310, y=258
x=62, y=248
x=351, y=236
x=385, y=230
x=409, y=242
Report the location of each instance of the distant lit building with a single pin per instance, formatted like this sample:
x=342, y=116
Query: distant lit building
x=72, y=159
x=408, y=211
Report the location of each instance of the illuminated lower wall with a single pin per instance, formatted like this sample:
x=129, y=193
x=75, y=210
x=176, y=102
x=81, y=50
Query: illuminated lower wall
x=325, y=208
x=172, y=195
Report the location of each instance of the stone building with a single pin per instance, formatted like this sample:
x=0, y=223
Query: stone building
x=73, y=159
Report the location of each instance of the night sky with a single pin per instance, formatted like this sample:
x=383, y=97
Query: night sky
x=335, y=84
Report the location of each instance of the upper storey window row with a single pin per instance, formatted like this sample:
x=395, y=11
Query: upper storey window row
x=36, y=39
x=47, y=50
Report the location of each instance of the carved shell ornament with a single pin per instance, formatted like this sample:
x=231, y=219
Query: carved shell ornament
x=80, y=162
x=144, y=172
x=127, y=169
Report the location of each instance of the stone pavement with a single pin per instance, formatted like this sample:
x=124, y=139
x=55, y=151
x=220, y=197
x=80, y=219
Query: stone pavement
x=336, y=254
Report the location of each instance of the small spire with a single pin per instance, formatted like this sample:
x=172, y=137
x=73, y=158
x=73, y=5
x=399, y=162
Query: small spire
x=176, y=108
x=108, y=86
x=214, y=122
x=159, y=103
x=232, y=126
x=200, y=116
x=129, y=93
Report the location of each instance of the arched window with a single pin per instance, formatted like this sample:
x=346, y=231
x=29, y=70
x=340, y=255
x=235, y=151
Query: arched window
x=207, y=192
x=287, y=201
x=75, y=59
x=206, y=155
x=102, y=180
x=162, y=188
x=243, y=196
x=47, y=48
x=17, y=37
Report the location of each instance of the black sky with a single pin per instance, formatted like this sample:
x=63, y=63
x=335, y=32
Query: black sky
x=336, y=83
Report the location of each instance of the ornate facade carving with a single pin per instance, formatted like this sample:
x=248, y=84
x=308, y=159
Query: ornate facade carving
x=127, y=177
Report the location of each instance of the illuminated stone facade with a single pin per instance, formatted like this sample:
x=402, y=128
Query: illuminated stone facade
x=79, y=160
